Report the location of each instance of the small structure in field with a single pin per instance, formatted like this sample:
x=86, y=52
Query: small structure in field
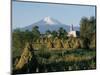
x=73, y=33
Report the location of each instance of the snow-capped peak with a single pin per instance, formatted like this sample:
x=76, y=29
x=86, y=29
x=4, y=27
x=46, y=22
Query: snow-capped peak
x=50, y=21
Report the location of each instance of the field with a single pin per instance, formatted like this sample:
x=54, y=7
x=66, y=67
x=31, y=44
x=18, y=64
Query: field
x=63, y=60
x=79, y=59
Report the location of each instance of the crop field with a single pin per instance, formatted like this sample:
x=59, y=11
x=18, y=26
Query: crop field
x=63, y=60
x=79, y=59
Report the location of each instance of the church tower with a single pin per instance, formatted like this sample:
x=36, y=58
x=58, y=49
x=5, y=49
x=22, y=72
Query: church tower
x=71, y=28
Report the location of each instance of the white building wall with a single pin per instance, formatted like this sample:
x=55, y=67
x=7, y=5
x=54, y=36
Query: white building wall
x=72, y=33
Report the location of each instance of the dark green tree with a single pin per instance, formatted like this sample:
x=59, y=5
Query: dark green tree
x=48, y=32
x=62, y=33
x=87, y=28
x=28, y=36
x=54, y=33
x=17, y=42
x=36, y=33
x=83, y=26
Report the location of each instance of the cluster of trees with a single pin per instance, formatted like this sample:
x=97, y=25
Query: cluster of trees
x=88, y=30
x=87, y=26
x=61, y=33
x=19, y=38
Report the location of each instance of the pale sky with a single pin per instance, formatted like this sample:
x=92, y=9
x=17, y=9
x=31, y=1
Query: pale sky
x=27, y=13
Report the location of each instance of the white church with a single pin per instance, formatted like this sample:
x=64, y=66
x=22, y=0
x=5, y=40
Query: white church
x=73, y=33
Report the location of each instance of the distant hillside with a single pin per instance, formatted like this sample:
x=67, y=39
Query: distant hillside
x=48, y=23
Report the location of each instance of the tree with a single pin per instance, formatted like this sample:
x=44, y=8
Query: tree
x=83, y=26
x=62, y=33
x=17, y=42
x=36, y=33
x=28, y=36
x=48, y=32
x=54, y=33
x=93, y=24
x=87, y=28
x=17, y=38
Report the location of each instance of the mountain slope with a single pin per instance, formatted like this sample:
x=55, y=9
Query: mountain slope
x=48, y=23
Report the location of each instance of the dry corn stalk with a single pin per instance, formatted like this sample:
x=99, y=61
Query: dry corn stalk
x=59, y=44
x=25, y=57
x=49, y=44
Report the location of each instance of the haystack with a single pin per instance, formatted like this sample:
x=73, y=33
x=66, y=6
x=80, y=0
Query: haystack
x=46, y=40
x=59, y=44
x=66, y=45
x=77, y=44
x=50, y=44
x=25, y=57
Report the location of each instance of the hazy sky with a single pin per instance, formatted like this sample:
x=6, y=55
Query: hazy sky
x=27, y=13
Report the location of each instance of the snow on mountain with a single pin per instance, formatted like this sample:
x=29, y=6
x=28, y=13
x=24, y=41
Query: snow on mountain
x=48, y=23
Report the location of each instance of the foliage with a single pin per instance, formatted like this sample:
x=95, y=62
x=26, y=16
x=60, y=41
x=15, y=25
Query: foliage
x=17, y=42
x=54, y=33
x=62, y=33
x=93, y=41
x=36, y=33
x=19, y=38
x=87, y=28
x=48, y=32
x=28, y=36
